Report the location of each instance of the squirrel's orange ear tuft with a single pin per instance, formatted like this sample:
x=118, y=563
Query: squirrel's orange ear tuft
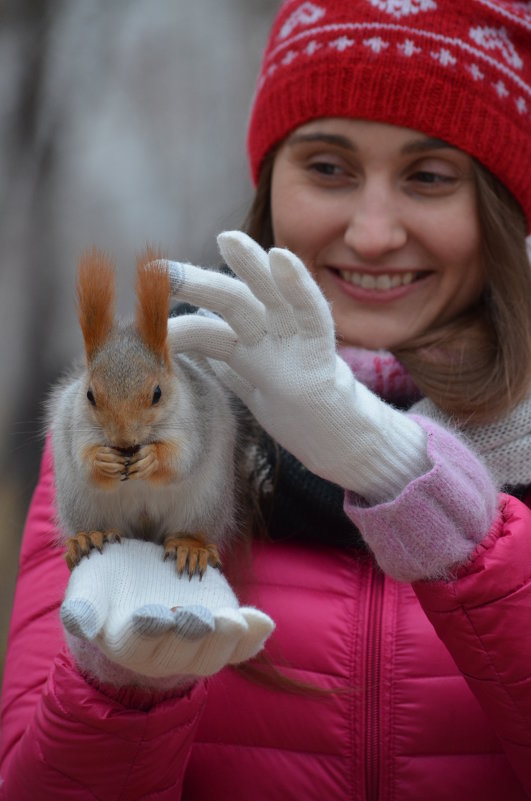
x=153, y=293
x=95, y=298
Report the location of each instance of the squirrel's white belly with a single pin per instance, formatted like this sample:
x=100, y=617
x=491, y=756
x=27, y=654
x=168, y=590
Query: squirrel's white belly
x=146, y=511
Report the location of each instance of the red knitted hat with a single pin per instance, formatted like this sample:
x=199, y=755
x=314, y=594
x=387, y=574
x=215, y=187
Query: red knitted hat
x=456, y=70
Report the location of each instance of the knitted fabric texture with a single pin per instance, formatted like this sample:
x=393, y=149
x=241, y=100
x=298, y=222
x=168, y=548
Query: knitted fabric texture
x=438, y=520
x=460, y=72
x=504, y=446
x=305, y=505
x=130, y=616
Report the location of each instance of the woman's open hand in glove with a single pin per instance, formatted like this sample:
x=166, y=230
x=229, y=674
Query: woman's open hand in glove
x=130, y=618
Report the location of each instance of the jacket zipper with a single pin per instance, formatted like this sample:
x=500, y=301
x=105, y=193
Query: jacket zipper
x=373, y=677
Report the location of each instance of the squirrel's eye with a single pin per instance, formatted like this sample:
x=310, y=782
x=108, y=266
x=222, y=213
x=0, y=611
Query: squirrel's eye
x=156, y=395
x=91, y=397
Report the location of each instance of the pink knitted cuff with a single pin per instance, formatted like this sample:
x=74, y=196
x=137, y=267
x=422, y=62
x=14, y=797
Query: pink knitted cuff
x=437, y=520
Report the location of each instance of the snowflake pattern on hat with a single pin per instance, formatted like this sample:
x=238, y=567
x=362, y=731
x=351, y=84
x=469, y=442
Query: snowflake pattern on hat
x=485, y=45
x=457, y=71
x=305, y=14
x=497, y=39
x=403, y=8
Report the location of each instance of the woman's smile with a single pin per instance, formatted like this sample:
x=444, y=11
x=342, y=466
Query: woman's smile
x=380, y=286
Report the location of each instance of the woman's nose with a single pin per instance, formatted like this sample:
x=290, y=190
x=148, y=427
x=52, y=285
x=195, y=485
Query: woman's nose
x=376, y=224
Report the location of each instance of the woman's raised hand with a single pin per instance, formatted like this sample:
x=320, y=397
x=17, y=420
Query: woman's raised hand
x=275, y=348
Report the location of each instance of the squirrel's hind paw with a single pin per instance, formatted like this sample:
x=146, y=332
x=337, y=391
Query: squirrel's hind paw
x=191, y=553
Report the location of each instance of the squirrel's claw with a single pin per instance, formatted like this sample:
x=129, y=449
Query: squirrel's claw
x=82, y=543
x=191, y=553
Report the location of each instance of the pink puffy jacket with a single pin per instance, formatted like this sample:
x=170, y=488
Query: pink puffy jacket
x=436, y=682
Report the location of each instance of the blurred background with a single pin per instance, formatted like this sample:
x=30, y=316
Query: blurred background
x=121, y=123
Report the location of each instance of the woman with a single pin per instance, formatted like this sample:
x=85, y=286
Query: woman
x=390, y=144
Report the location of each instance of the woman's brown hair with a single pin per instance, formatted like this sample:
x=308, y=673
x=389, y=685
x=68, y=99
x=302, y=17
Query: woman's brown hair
x=477, y=367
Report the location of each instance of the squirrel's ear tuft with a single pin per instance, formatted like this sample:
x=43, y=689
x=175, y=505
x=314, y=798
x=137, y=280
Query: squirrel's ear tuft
x=95, y=298
x=153, y=293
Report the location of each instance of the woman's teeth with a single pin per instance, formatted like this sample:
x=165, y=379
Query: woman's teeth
x=381, y=282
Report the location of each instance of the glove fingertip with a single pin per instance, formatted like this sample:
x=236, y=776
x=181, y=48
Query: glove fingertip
x=286, y=267
x=285, y=255
x=297, y=285
x=193, y=622
x=79, y=616
x=238, y=249
x=260, y=627
x=260, y=624
x=227, y=238
x=230, y=623
x=152, y=619
x=176, y=274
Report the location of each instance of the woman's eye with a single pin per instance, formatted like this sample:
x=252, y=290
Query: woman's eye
x=330, y=171
x=326, y=168
x=432, y=178
x=432, y=174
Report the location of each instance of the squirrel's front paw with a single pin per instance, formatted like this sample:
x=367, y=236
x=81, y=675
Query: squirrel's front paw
x=191, y=553
x=107, y=465
x=153, y=462
x=82, y=543
x=144, y=463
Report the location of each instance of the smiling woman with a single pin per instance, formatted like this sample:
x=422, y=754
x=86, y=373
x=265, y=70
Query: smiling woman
x=407, y=236
x=463, y=83
x=385, y=219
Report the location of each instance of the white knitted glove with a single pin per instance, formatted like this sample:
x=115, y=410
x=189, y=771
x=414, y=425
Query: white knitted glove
x=277, y=346
x=131, y=604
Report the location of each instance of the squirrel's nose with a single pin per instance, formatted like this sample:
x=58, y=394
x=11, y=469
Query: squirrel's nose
x=127, y=450
x=122, y=442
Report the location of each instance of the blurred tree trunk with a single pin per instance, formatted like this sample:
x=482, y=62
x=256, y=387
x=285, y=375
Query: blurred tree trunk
x=25, y=222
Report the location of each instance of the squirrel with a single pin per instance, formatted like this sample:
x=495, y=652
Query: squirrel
x=146, y=443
